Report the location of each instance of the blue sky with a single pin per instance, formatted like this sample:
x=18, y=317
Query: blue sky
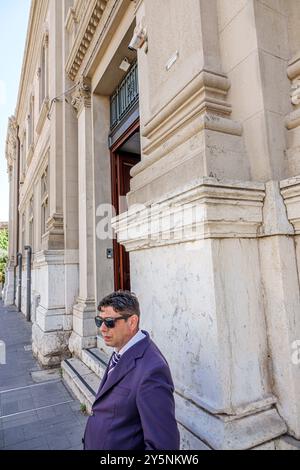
x=14, y=16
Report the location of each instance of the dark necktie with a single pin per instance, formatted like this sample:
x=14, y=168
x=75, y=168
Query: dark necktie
x=114, y=361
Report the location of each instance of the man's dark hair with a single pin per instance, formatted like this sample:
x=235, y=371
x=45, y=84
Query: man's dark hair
x=121, y=301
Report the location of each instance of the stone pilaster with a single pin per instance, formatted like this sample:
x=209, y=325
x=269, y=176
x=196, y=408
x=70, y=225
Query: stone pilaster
x=51, y=326
x=54, y=236
x=281, y=281
x=12, y=165
x=84, y=330
x=217, y=340
x=186, y=123
x=70, y=185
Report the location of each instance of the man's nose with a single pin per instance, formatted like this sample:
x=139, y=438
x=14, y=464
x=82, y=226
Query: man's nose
x=103, y=327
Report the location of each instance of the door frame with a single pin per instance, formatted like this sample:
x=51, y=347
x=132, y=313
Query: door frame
x=114, y=191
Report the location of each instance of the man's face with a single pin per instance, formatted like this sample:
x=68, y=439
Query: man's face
x=123, y=330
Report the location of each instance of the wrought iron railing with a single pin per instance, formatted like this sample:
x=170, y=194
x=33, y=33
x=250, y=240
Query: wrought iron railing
x=124, y=97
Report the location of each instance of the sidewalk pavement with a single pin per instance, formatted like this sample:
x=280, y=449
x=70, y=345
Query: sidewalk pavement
x=37, y=411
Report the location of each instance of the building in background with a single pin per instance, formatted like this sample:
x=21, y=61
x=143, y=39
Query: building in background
x=198, y=124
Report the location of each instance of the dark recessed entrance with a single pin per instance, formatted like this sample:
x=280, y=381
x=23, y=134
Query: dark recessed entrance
x=125, y=153
x=124, y=143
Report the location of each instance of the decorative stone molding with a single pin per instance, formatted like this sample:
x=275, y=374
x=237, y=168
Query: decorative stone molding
x=295, y=95
x=87, y=28
x=82, y=95
x=290, y=190
x=230, y=432
x=71, y=20
x=46, y=257
x=293, y=71
x=206, y=208
x=11, y=142
x=137, y=3
x=29, y=155
x=54, y=237
x=42, y=117
x=205, y=98
x=45, y=40
x=275, y=220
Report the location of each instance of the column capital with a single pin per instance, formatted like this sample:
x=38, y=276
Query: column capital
x=81, y=97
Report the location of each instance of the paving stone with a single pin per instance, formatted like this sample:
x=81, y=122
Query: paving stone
x=57, y=426
x=13, y=436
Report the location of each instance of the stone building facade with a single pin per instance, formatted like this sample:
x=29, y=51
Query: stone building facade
x=198, y=125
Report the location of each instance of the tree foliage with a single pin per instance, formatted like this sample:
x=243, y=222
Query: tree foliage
x=3, y=252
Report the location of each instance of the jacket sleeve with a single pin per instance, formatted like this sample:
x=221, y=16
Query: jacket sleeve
x=155, y=402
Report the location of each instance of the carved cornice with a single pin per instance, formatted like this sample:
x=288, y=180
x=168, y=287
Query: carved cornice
x=11, y=142
x=86, y=33
x=81, y=97
x=206, y=208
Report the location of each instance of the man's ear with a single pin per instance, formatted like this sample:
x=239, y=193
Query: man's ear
x=134, y=321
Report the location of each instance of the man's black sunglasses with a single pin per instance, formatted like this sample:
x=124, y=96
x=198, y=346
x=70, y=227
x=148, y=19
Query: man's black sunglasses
x=109, y=322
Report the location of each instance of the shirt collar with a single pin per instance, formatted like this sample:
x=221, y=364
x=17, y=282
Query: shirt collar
x=135, y=339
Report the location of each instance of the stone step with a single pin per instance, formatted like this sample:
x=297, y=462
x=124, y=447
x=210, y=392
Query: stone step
x=95, y=360
x=83, y=382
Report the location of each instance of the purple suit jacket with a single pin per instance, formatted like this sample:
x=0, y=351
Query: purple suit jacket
x=134, y=408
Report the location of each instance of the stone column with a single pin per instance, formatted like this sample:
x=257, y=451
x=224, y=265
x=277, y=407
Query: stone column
x=281, y=279
x=12, y=163
x=195, y=239
x=54, y=237
x=84, y=334
x=8, y=293
x=70, y=186
x=52, y=328
x=104, y=270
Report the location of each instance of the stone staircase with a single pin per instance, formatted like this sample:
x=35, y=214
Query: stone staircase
x=83, y=375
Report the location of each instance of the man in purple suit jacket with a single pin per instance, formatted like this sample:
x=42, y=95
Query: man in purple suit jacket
x=134, y=408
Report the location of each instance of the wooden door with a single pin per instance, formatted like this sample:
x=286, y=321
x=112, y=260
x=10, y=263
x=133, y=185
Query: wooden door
x=121, y=165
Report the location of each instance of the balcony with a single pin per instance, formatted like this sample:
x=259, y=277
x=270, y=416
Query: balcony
x=124, y=98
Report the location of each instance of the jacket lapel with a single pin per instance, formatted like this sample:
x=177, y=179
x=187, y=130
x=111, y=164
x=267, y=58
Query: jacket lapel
x=124, y=366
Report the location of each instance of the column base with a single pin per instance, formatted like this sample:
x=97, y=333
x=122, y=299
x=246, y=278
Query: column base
x=224, y=432
x=50, y=347
x=84, y=329
x=8, y=293
x=287, y=443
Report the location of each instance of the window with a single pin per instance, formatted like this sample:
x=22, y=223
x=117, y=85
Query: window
x=31, y=227
x=43, y=71
x=23, y=151
x=31, y=122
x=23, y=232
x=44, y=201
